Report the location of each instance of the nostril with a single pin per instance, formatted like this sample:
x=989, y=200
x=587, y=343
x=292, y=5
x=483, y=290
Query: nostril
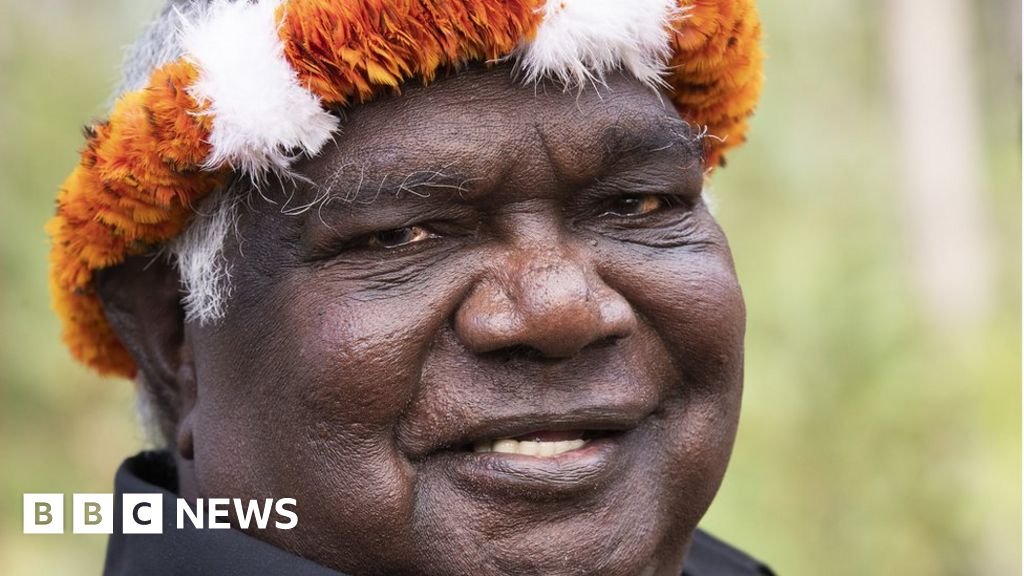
x=523, y=352
x=608, y=341
x=517, y=352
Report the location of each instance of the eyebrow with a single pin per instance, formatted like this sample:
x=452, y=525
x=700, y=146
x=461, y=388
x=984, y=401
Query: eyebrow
x=622, y=144
x=361, y=186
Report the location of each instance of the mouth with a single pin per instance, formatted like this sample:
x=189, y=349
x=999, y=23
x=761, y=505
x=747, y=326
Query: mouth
x=540, y=444
x=540, y=457
x=539, y=435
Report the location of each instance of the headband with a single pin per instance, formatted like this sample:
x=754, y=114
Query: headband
x=254, y=89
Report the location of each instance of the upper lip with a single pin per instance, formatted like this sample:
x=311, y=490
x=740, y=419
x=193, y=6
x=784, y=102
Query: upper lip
x=587, y=418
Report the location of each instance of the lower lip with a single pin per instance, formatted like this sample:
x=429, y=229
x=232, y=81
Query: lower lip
x=517, y=475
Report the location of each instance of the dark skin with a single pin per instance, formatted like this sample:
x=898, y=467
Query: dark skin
x=491, y=261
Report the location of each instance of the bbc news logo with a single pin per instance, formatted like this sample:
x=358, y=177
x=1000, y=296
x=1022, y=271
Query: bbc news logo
x=143, y=514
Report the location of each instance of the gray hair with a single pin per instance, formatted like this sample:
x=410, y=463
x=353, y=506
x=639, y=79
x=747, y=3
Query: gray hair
x=158, y=44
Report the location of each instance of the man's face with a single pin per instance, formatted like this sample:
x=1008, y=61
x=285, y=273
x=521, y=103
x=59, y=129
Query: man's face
x=498, y=332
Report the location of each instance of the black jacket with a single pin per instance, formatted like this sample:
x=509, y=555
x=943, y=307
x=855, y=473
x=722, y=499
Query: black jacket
x=231, y=552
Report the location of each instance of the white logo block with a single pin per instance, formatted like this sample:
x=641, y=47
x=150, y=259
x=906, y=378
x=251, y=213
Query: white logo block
x=92, y=513
x=142, y=514
x=43, y=513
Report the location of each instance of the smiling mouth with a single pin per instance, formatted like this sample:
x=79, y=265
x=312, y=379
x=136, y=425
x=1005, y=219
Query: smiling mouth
x=541, y=465
x=541, y=444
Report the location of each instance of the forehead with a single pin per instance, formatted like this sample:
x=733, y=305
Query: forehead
x=483, y=123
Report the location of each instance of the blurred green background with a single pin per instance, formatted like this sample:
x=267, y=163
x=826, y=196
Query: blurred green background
x=875, y=221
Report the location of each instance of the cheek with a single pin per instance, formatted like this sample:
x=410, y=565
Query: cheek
x=307, y=348
x=362, y=359
x=693, y=302
x=301, y=390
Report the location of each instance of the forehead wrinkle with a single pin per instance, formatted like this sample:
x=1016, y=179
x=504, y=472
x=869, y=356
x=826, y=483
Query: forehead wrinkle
x=580, y=154
x=489, y=141
x=562, y=170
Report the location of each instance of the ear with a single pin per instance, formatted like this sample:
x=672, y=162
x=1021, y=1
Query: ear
x=142, y=301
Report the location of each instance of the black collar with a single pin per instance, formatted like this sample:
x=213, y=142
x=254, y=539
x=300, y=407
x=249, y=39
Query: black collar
x=232, y=552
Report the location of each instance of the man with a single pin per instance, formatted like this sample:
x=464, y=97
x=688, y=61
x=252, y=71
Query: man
x=441, y=272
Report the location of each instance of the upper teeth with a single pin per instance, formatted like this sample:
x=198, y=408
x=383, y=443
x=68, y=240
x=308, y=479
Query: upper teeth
x=529, y=447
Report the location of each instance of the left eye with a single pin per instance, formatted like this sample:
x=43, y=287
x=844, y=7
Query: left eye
x=398, y=237
x=636, y=205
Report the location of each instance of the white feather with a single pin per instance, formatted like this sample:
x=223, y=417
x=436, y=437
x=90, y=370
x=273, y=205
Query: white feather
x=579, y=41
x=262, y=117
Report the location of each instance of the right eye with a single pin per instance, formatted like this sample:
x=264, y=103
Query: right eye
x=636, y=205
x=398, y=237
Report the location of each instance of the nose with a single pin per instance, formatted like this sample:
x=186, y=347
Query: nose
x=551, y=303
